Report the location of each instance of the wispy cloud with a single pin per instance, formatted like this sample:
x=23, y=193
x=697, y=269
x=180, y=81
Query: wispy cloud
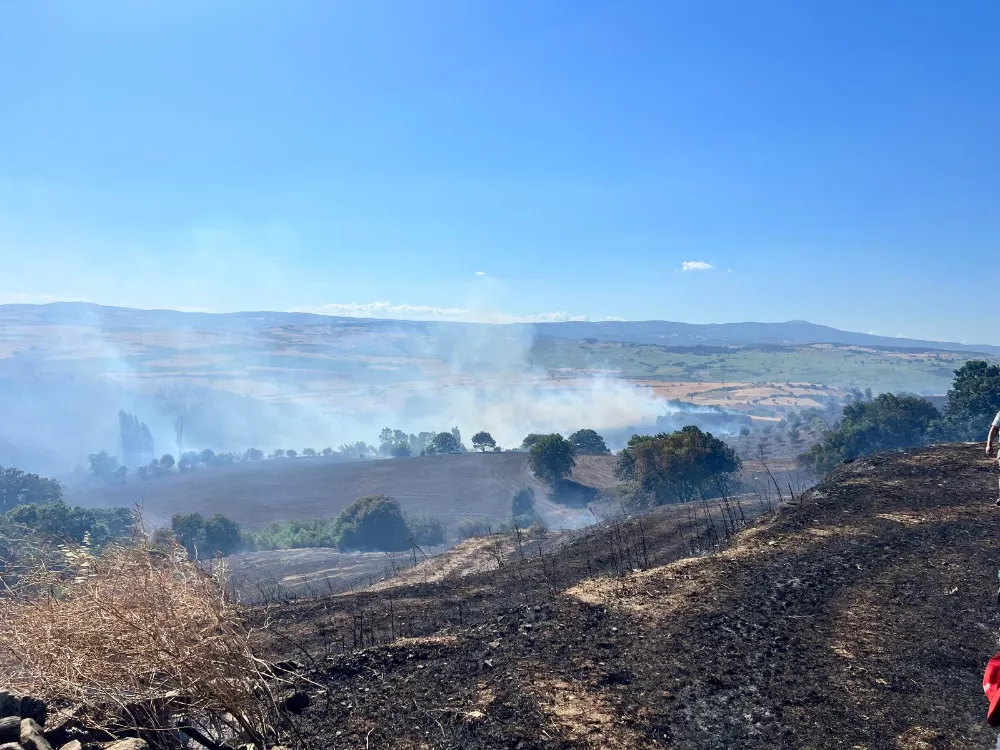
x=390, y=310
x=696, y=265
x=480, y=273
x=614, y=319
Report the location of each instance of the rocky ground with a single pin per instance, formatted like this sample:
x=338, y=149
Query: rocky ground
x=859, y=615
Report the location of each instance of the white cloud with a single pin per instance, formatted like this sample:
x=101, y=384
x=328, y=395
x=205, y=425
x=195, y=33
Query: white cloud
x=480, y=273
x=613, y=319
x=696, y=265
x=390, y=311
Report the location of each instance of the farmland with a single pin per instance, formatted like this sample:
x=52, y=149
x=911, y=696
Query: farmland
x=255, y=494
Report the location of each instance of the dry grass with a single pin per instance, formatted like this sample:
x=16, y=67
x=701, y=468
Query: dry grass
x=142, y=633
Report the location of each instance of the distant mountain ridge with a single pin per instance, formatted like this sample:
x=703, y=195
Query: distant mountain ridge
x=652, y=332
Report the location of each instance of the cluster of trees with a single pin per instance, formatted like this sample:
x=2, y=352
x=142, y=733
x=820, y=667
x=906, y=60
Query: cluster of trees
x=137, y=441
x=584, y=442
x=890, y=422
x=59, y=522
x=398, y=444
x=675, y=467
x=370, y=523
x=36, y=503
x=21, y=488
x=886, y=422
x=552, y=457
x=108, y=469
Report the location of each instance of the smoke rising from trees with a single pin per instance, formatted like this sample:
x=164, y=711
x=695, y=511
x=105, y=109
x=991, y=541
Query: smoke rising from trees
x=231, y=382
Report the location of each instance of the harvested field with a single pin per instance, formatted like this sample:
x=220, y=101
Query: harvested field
x=255, y=494
x=859, y=616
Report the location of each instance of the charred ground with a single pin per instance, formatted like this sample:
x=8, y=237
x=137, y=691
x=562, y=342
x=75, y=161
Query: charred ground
x=860, y=615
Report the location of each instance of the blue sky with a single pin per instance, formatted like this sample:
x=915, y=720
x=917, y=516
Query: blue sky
x=831, y=161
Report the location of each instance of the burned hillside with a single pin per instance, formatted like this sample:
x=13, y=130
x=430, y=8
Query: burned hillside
x=859, y=615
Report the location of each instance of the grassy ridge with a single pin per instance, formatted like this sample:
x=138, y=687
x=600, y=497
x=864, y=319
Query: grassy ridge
x=926, y=372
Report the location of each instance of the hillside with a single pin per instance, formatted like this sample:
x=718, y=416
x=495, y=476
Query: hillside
x=659, y=332
x=290, y=380
x=859, y=616
x=255, y=494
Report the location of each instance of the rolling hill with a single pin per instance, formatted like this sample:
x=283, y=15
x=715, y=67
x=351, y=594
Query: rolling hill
x=280, y=380
x=255, y=494
x=659, y=332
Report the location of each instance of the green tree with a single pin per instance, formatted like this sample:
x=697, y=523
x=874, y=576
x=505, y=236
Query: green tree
x=444, y=442
x=973, y=400
x=328, y=451
x=103, y=466
x=522, y=506
x=309, y=453
x=206, y=456
x=167, y=462
x=277, y=453
x=20, y=488
x=588, y=442
x=221, y=536
x=401, y=450
x=530, y=439
x=372, y=523
x=291, y=453
x=674, y=467
x=552, y=458
x=385, y=441
x=483, y=441
x=189, y=531
x=887, y=422
x=420, y=442
x=253, y=454
x=188, y=460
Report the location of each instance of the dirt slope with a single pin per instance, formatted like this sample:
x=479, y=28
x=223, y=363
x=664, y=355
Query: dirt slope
x=262, y=492
x=860, y=616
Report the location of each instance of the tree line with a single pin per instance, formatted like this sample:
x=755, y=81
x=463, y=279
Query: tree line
x=890, y=422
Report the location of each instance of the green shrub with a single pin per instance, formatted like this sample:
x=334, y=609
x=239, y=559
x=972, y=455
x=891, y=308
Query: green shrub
x=295, y=535
x=522, y=507
x=61, y=522
x=372, y=523
x=426, y=530
x=470, y=527
x=203, y=538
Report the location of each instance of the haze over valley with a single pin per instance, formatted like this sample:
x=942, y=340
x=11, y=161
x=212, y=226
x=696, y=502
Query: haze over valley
x=272, y=380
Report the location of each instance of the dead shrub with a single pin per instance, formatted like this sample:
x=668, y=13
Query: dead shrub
x=143, y=632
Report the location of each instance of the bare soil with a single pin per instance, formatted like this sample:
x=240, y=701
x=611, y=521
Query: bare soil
x=859, y=616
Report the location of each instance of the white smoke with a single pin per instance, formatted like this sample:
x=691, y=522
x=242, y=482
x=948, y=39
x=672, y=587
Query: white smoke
x=256, y=382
